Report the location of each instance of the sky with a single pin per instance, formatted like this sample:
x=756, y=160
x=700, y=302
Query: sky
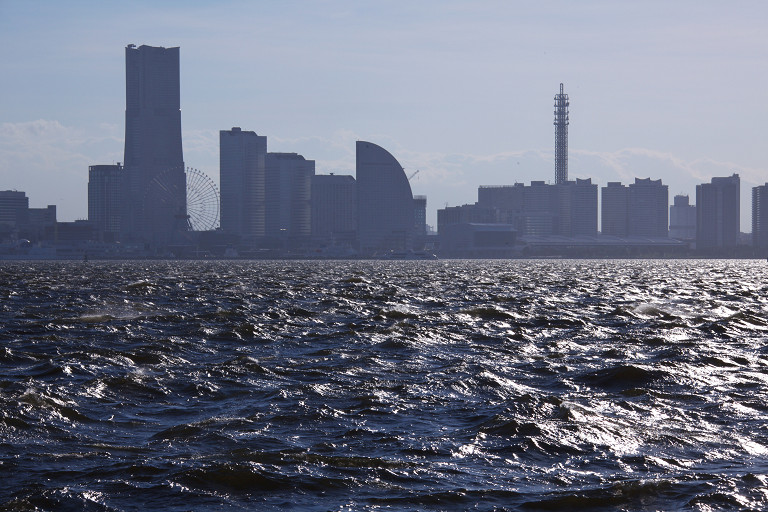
x=460, y=91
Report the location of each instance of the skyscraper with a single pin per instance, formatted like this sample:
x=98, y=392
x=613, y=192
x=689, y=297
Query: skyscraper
x=682, y=219
x=614, y=209
x=717, y=213
x=648, y=208
x=154, y=164
x=288, y=186
x=334, y=208
x=242, y=163
x=385, y=201
x=561, y=137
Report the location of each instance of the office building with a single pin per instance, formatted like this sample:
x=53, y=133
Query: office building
x=717, y=213
x=154, y=164
x=14, y=209
x=760, y=217
x=682, y=219
x=614, y=209
x=648, y=209
x=242, y=174
x=288, y=209
x=106, y=199
x=576, y=208
x=385, y=201
x=334, y=209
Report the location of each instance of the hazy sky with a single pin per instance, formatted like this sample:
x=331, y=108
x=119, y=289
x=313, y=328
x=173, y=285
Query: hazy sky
x=461, y=91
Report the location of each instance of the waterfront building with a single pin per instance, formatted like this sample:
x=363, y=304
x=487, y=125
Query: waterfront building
x=106, y=199
x=154, y=164
x=717, y=213
x=614, y=209
x=14, y=209
x=760, y=217
x=288, y=209
x=385, y=201
x=682, y=219
x=648, y=208
x=577, y=208
x=334, y=209
x=242, y=174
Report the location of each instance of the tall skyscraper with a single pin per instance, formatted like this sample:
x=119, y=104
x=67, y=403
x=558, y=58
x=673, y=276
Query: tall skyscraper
x=288, y=186
x=242, y=168
x=385, y=201
x=717, y=213
x=106, y=199
x=561, y=137
x=154, y=164
x=760, y=217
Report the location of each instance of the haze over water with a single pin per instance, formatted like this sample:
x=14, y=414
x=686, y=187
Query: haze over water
x=368, y=385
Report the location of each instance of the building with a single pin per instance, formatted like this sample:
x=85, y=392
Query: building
x=682, y=219
x=105, y=199
x=576, y=208
x=648, y=209
x=242, y=175
x=561, y=137
x=288, y=208
x=334, y=209
x=384, y=201
x=14, y=210
x=717, y=213
x=760, y=217
x=614, y=209
x=154, y=164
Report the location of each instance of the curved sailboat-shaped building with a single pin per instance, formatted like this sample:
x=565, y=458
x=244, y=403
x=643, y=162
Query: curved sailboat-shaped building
x=385, y=202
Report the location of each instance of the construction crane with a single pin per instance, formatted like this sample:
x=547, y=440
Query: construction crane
x=412, y=175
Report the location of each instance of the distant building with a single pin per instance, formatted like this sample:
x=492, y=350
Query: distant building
x=465, y=214
x=717, y=213
x=614, y=209
x=242, y=174
x=14, y=209
x=385, y=201
x=334, y=208
x=577, y=208
x=682, y=219
x=760, y=217
x=106, y=199
x=420, y=215
x=154, y=164
x=648, y=208
x=288, y=187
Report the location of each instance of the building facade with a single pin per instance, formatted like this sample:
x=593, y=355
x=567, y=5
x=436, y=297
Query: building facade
x=760, y=217
x=334, y=209
x=614, y=209
x=154, y=164
x=648, y=208
x=242, y=174
x=106, y=199
x=717, y=213
x=288, y=207
x=14, y=209
x=384, y=201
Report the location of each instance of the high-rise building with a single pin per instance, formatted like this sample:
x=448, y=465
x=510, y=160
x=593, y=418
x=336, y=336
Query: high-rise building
x=334, y=208
x=242, y=170
x=648, y=208
x=14, y=209
x=760, y=217
x=561, y=136
x=420, y=215
x=288, y=186
x=682, y=219
x=577, y=208
x=106, y=199
x=614, y=209
x=385, y=201
x=717, y=213
x=154, y=164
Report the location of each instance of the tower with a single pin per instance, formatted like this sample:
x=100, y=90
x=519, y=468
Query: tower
x=561, y=137
x=242, y=162
x=717, y=213
x=153, y=164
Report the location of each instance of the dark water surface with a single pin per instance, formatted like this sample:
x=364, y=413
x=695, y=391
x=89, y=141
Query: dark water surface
x=459, y=385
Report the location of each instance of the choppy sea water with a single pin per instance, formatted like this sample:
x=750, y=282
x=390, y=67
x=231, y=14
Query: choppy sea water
x=443, y=385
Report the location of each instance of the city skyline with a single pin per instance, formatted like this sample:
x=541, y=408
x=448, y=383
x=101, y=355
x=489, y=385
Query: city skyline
x=460, y=91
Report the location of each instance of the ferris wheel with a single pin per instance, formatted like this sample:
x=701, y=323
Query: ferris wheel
x=200, y=209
